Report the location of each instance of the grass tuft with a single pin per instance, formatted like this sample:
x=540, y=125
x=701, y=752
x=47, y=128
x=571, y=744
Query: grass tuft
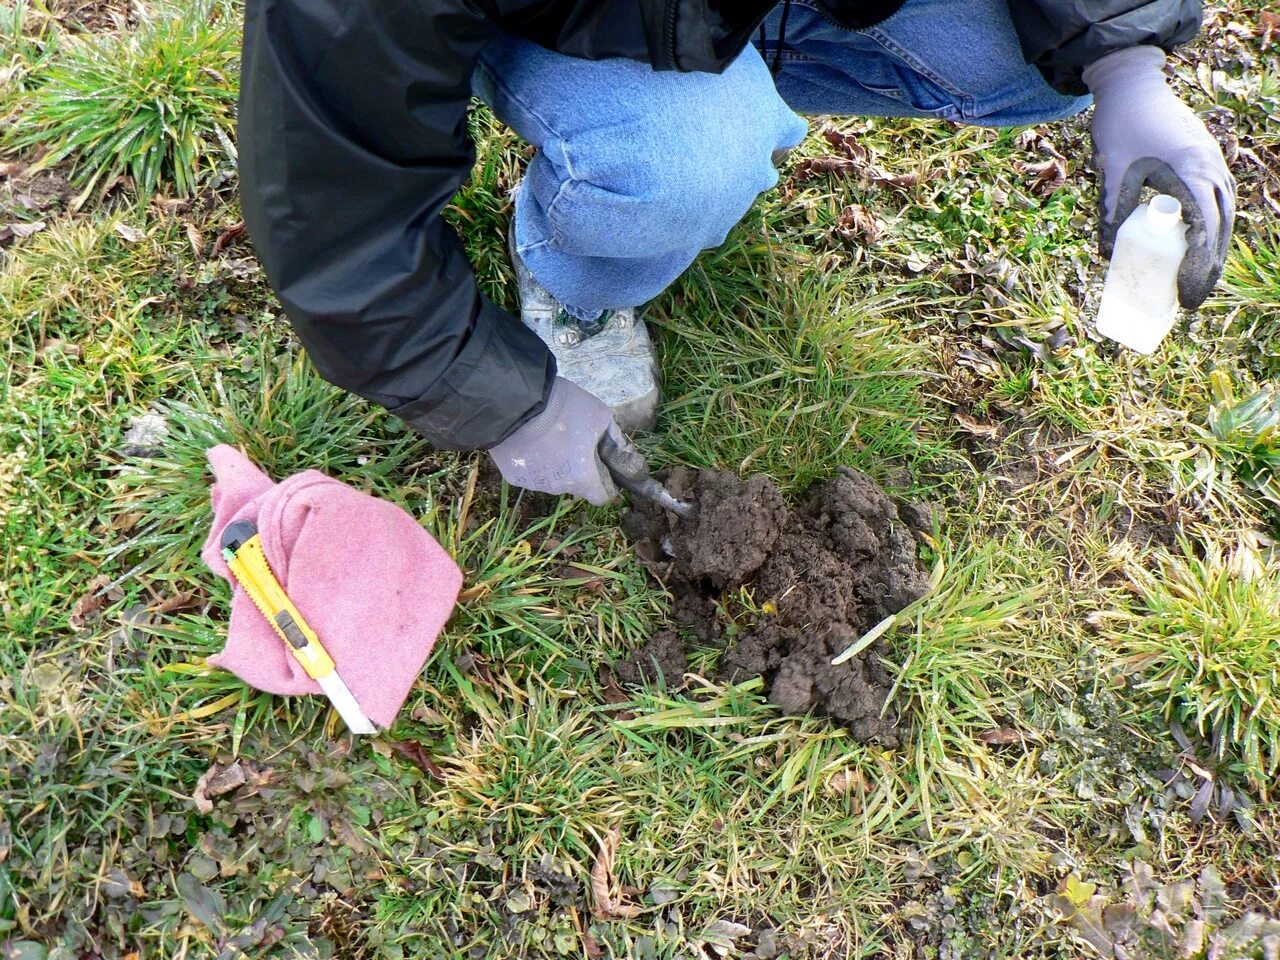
x=779, y=368
x=28, y=40
x=283, y=416
x=1251, y=284
x=1245, y=439
x=155, y=104
x=1203, y=641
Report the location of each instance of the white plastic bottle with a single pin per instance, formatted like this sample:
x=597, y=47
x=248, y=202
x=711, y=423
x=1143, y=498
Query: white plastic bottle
x=1140, y=296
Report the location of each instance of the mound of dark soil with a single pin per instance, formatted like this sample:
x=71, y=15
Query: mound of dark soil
x=825, y=572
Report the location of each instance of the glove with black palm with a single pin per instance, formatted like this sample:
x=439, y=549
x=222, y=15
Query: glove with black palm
x=1143, y=135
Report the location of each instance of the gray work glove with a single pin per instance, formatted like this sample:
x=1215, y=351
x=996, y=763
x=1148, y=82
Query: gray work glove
x=1143, y=134
x=556, y=451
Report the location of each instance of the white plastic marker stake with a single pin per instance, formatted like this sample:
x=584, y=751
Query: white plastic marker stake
x=1140, y=297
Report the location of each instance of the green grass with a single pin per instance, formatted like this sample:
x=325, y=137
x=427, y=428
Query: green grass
x=1203, y=642
x=1252, y=281
x=155, y=104
x=28, y=41
x=806, y=371
x=952, y=359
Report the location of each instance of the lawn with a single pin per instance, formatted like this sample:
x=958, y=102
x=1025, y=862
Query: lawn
x=1090, y=693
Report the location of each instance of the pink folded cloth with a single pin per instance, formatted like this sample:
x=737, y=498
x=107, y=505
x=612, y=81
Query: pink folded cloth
x=373, y=584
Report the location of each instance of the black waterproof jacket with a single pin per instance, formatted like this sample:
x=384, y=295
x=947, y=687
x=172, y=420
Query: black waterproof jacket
x=353, y=139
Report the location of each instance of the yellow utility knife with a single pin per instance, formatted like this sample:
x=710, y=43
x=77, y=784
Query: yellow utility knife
x=242, y=549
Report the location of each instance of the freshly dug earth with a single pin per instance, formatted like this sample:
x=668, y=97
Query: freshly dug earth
x=823, y=573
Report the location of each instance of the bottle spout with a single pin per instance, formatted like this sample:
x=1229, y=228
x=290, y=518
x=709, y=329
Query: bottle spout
x=1164, y=213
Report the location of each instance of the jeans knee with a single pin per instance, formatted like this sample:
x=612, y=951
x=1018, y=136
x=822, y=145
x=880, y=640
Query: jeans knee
x=658, y=205
x=671, y=179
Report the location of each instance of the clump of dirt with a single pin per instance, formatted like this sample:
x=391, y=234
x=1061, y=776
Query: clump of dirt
x=662, y=657
x=821, y=575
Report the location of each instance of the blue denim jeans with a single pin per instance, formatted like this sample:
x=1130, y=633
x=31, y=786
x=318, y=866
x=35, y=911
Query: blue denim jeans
x=638, y=171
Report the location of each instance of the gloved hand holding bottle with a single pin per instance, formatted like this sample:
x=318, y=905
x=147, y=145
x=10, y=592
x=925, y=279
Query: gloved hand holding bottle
x=1144, y=135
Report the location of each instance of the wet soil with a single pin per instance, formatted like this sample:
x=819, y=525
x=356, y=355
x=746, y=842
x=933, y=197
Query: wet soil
x=661, y=658
x=820, y=575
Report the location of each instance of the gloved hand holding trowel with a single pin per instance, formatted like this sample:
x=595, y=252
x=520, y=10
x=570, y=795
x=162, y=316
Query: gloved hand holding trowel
x=575, y=447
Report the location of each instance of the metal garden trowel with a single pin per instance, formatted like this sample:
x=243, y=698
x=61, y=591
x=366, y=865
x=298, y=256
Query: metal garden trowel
x=630, y=471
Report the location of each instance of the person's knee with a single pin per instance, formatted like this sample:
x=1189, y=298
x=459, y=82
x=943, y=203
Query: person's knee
x=658, y=206
x=654, y=195
x=678, y=174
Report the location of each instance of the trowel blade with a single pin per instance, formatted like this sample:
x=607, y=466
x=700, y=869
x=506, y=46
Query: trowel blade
x=630, y=471
x=681, y=508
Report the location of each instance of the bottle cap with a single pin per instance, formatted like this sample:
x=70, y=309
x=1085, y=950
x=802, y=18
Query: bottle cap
x=1164, y=212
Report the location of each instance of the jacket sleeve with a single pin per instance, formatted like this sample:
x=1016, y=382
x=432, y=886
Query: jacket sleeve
x=352, y=140
x=1062, y=37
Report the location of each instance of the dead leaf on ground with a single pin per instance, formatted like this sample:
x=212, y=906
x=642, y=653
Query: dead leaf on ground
x=91, y=603
x=346, y=834
x=227, y=237
x=591, y=948
x=721, y=936
x=123, y=522
x=607, y=905
x=1269, y=24
x=1096, y=620
x=613, y=692
x=53, y=346
x=21, y=230
x=424, y=713
x=858, y=224
x=196, y=240
x=1034, y=139
x=240, y=268
x=818, y=166
x=12, y=168
x=215, y=782
x=172, y=204
x=845, y=782
x=977, y=427
x=898, y=181
x=846, y=144
x=477, y=668
x=978, y=361
x=179, y=601
x=119, y=181
x=1046, y=177
x=129, y=234
x=1002, y=736
x=244, y=776
x=417, y=754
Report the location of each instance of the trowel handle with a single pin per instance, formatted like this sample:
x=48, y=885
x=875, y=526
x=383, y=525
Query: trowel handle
x=626, y=465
